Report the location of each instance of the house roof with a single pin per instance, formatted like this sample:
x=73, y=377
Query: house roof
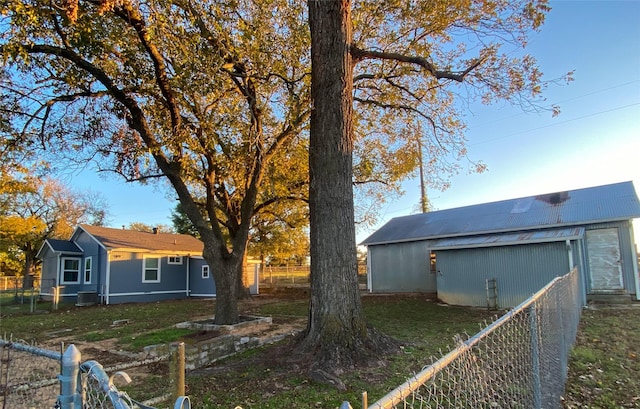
x=120, y=239
x=598, y=204
x=63, y=246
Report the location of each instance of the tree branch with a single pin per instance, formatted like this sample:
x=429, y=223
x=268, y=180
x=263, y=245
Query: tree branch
x=260, y=207
x=359, y=55
x=47, y=107
x=406, y=108
x=365, y=181
x=393, y=106
x=133, y=17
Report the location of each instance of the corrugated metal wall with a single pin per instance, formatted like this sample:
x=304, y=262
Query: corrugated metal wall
x=402, y=267
x=519, y=270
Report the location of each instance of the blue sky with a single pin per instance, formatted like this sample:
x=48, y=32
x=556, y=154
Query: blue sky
x=594, y=141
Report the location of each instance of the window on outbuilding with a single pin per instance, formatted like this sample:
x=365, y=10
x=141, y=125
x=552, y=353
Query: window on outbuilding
x=205, y=271
x=151, y=270
x=174, y=260
x=70, y=271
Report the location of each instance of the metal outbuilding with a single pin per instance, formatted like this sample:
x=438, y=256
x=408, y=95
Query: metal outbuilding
x=499, y=253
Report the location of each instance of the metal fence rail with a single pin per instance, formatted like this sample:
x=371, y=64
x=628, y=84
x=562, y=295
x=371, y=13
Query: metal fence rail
x=32, y=377
x=518, y=361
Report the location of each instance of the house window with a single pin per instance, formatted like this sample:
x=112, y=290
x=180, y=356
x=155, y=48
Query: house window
x=70, y=271
x=151, y=270
x=205, y=271
x=175, y=260
x=87, y=270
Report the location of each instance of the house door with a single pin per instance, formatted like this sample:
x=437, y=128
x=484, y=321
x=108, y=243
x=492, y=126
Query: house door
x=605, y=264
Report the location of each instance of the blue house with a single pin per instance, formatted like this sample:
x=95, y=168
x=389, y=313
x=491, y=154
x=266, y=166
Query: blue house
x=500, y=253
x=112, y=266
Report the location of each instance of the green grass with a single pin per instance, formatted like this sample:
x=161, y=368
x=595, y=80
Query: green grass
x=255, y=378
x=162, y=336
x=602, y=372
x=96, y=323
x=262, y=382
x=292, y=308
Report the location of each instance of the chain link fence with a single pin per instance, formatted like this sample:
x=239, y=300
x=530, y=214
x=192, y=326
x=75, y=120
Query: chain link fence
x=273, y=277
x=518, y=361
x=28, y=376
x=32, y=377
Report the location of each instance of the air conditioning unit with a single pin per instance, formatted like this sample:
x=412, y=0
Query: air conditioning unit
x=86, y=298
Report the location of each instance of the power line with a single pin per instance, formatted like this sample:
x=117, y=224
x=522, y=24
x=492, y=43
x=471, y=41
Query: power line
x=560, y=102
x=554, y=124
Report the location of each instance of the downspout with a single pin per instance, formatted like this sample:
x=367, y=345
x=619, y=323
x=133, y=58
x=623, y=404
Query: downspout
x=582, y=274
x=634, y=253
x=97, y=270
x=369, y=285
x=570, y=252
x=581, y=279
x=188, y=275
x=57, y=280
x=107, y=278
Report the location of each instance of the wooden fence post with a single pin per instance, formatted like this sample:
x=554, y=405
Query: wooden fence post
x=177, y=370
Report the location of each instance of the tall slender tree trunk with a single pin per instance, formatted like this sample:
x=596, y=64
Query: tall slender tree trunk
x=29, y=268
x=337, y=332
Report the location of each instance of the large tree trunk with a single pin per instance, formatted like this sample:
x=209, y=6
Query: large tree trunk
x=337, y=332
x=224, y=268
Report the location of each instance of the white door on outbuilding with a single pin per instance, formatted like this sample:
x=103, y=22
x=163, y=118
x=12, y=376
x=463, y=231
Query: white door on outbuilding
x=605, y=267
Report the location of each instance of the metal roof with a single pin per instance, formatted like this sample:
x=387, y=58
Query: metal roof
x=507, y=239
x=614, y=202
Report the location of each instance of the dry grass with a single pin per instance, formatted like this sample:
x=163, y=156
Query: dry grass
x=604, y=366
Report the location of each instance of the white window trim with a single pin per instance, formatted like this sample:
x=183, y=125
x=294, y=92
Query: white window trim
x=62, y=270
x=178, y=260
x=144, y=268
x=84, y=270
x=206, y=271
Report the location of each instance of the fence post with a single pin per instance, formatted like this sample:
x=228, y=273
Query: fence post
x=32, y=303
x=564, y=351
x=54, y=305
x=535, y=357
x=68, y=397
x=178, y=370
